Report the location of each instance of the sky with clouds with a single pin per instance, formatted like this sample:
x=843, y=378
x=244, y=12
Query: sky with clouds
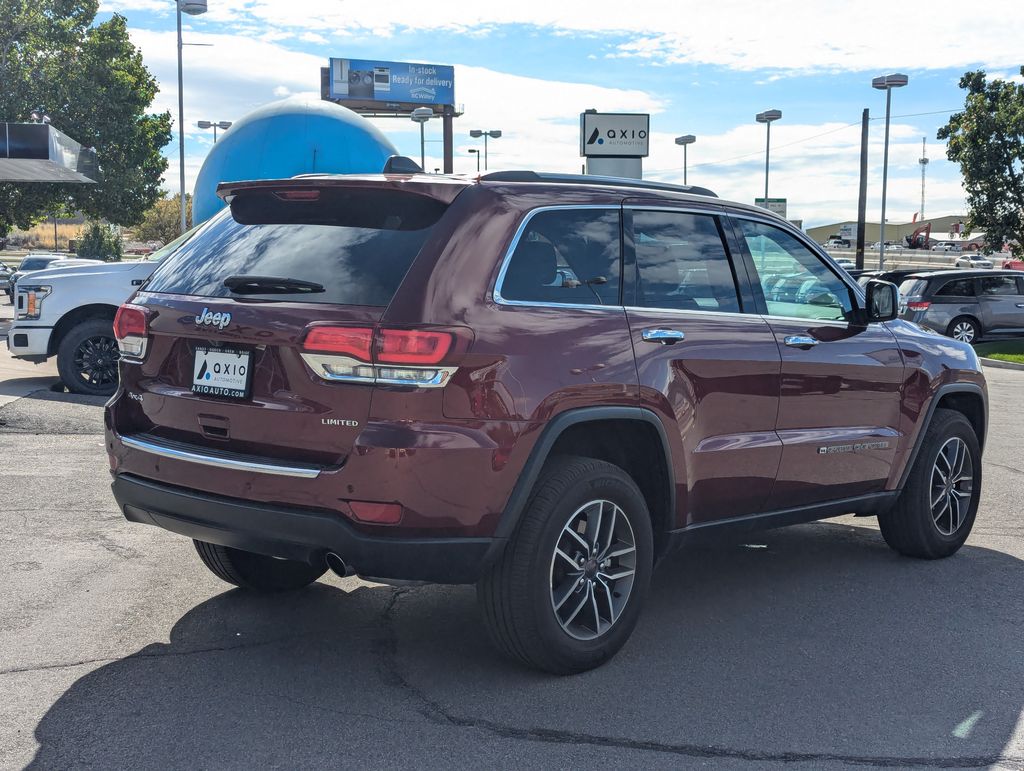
x=530, y=67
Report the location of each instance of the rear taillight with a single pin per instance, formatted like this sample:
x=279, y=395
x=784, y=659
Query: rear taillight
x=384, y=356
x=131, y=328
x=918, y=305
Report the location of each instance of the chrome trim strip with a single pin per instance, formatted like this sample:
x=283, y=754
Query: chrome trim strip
x=318, y=362
x=515, y=242
x=235, y=464
x=699, y=313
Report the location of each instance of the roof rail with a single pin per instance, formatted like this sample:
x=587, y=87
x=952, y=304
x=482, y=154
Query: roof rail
x=591, y=179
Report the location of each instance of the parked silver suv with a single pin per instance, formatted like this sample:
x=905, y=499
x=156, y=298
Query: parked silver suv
x=966, y=304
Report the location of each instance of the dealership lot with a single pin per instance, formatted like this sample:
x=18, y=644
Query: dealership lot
x=813, y=644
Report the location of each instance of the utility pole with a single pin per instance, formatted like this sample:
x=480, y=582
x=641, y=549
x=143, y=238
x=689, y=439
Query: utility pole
x=862, y=201
x=923, y=160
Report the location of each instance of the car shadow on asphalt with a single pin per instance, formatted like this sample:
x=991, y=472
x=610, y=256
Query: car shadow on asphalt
x=812, y=643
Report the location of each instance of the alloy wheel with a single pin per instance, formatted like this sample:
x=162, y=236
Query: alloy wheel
x=951, y=485
x=592, y=569
x=96, y=361
x=964, y=331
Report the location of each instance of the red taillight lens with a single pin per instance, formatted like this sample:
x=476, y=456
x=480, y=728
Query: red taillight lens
x=918, y=306
x=130, y=321
x=131, y=329
x=298, y=195
x=351, y=341
x=412, y=346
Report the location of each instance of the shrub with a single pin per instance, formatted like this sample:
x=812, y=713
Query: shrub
x=99, y=242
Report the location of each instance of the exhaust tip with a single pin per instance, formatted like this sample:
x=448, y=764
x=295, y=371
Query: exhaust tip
x=337, y=565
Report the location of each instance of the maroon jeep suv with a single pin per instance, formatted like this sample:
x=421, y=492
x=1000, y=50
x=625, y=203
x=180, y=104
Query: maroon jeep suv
x=537, y=383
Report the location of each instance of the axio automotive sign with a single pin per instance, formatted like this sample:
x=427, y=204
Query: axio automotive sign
x=608, y=134
x=364, y=80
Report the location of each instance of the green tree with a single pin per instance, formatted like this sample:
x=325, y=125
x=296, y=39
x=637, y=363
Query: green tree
x=92, y=83
x=162, y=221
x=987, y=140
x=100, y=242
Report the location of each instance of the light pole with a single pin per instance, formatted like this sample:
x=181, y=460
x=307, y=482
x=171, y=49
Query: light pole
x=476, y=152
x=685, y=140
x=224, y=125
x=493, y=134
x=421, y=115
x=886, y=83
x=192, y=8
x=766, y=118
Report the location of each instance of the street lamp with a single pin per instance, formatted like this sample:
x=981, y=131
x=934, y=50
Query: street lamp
x=493, y=134
x=477, y=154
x=224, y=125
x=766, y=118
x=886, y=83
x=192, y=8
x=685, y=140
x=421, y=115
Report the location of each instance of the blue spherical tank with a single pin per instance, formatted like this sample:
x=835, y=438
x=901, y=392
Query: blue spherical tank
x=298, y=135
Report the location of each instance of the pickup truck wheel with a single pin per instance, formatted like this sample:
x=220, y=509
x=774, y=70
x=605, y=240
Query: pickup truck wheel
x=87, y=358
x=936, y=510
x=256, y=572
x=567, y=591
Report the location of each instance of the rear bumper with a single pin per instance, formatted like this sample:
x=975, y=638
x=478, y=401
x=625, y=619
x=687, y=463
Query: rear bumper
x=299, y=534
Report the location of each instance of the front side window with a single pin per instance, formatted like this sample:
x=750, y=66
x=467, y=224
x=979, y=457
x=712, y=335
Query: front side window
x=566, y=256
x=795, y=281
x=999, y=285
x=682, y=263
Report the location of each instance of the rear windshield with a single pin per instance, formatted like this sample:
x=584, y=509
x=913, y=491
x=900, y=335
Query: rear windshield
x=912, y=287
x=358, y=249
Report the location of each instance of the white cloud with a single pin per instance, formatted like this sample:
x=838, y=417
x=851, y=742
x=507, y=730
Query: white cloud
x=785, y=35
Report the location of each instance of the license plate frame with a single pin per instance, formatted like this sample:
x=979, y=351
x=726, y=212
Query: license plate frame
x=215, y=373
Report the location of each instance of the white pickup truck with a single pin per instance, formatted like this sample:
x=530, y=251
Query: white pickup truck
x=69, y=313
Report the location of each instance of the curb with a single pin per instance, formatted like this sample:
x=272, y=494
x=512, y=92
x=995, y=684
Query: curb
x=998, y=364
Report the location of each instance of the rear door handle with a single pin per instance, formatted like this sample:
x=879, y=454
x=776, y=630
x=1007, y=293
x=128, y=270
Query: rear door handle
x=800, y=341
x=663, y=336
x=1020, y=305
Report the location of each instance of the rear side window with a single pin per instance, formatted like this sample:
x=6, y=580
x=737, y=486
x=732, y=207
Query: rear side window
x=682, y=263
x=355, y=245
x=912, y=287
x=566, y=256
x=999, y=285
x=961, y=287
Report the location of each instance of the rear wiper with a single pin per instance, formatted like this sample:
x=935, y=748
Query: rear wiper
x=271, y=285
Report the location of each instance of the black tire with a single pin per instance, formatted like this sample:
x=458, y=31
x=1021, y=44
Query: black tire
x=516, y=594
x=256, y=572
x=964, y=323
x=911, y=527
x=87, y=358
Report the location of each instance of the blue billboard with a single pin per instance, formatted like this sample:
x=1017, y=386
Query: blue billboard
x=365, y=80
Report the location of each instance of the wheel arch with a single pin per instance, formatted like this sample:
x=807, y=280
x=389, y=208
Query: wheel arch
x=966, y=398
x=969, y=317
x=76, y=316
x=632, y=438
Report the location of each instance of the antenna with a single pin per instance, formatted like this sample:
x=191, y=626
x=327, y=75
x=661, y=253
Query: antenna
x=923, y=160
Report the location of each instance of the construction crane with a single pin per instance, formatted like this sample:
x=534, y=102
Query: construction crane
x=923, y=160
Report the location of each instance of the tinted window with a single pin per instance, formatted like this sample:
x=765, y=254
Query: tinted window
x=682, y=263
x=961, y=287
x=997, y=285
x=355, y=265
x=912, y=287
x=566, y=256
x=794, y=279
x=35, y=263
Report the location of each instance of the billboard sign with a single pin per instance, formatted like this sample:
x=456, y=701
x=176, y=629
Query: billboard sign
x=615, y=135
x=775, y=205
x=369, y=81
x=848, y=232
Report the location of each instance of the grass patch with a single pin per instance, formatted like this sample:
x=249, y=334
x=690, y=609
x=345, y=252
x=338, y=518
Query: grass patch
x=1003, y=350
x=1016, y=358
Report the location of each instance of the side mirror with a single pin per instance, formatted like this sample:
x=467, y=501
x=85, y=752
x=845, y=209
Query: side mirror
x=883, y=300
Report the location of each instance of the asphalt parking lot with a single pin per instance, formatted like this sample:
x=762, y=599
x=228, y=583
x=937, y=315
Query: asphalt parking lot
x=813, y=645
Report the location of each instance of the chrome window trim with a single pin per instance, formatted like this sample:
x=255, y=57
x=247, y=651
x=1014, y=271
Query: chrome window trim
x=234, y=464
x=496, y=292
x=318, y=363
x=690, y=311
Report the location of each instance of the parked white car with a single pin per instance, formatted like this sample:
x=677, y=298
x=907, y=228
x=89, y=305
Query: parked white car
x=68, y=312
x=973, y=260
